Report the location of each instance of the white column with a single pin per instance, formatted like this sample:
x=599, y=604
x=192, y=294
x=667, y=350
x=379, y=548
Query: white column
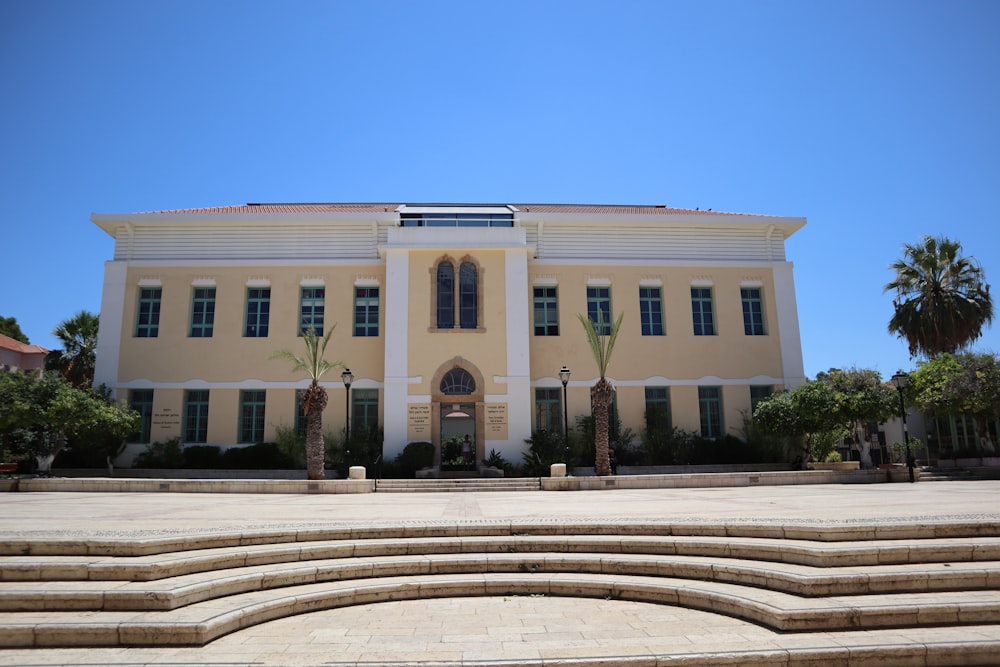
x=788, y=325
x=518, y=357
x=397, y=317
x=110, y=330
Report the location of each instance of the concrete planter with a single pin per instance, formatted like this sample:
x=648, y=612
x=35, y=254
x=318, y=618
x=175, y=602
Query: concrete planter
x=839, y=465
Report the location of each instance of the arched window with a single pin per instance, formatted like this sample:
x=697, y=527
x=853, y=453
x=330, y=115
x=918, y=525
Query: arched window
x=457, y=382
x=467, y=291
x=445, y=296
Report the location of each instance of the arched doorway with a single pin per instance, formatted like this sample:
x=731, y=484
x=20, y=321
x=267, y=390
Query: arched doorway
x=458, y=413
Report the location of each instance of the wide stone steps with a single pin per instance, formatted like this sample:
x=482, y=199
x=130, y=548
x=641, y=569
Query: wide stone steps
x=457, y=484
x=190, y=589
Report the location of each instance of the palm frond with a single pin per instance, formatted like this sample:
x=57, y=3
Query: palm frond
x=601, y=345
x=312, y=362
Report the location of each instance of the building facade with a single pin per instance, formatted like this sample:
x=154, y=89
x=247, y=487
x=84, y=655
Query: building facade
x=454, y=319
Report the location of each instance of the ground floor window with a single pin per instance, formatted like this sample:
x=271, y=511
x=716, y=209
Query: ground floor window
x=548, y=410
x=364, y=408
x=196, y=416
x=710, y=409
x=658, y=409
x=252, y=415
x=141, y=400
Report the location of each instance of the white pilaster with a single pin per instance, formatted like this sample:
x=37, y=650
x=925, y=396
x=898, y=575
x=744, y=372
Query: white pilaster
x=788, y=325
x=518, y=357
x=110, y=330
x=397, y=317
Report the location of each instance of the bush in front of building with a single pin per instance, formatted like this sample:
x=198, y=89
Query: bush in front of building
x=415, y=456
x=167, y=454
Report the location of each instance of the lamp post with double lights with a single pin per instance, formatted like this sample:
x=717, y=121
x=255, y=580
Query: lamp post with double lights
x=348, y=377
x=899, y=381
x=564, y=373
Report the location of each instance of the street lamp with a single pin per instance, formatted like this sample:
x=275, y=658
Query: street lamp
x=899, y=381
x=564, y=378
x=348, y=377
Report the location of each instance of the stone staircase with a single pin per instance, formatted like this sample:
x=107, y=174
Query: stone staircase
x=458, y=484
x=187, y=590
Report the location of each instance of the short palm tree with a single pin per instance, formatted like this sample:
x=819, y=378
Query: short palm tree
x=75, y=361
x=315, y=398
x=942, y=299
x=602, y=392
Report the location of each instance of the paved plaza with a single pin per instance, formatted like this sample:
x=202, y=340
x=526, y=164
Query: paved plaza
x=508, y=629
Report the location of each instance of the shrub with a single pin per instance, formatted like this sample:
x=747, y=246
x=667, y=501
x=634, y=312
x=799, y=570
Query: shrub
x=161, y=455
x=546, y=448
x=202, y=456
x=291, y=446
x=415, y=456
x=261, y=456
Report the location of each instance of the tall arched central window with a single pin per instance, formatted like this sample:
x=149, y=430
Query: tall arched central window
x=445, y=296
x=457, y=382
x=467, y=289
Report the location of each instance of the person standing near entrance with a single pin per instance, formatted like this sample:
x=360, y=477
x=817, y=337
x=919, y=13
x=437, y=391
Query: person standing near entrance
x=467, y=450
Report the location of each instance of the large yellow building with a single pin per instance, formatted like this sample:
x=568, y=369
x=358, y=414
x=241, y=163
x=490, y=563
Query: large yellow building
x=454, y=319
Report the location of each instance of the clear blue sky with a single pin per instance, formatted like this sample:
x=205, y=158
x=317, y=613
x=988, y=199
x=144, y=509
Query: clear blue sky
x=878, y=121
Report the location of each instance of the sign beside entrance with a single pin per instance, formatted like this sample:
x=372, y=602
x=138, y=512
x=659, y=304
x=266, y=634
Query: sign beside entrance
x=496, y=421
x=418, y=422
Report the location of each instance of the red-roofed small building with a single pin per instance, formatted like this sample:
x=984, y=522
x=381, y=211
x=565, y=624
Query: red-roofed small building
x=15, y=355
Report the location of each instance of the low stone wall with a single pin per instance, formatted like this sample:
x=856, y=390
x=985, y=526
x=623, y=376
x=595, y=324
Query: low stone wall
x=120, y=485
x=781, y=478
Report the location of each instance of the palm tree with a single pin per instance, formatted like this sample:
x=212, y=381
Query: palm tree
x=315, y=398
x=75, y=361
x=602, y=392
x=942, y=300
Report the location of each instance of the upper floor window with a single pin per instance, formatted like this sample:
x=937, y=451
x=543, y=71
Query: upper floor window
x=147, y=317
x=202, y=312
x=651, y=311
x=753, y=311
x=446, y=296
x=311, y=306
x=468, y=288
x=546, y=310
x=702, y=311
x=599, y=309
x=365, y=311
x=258, y=312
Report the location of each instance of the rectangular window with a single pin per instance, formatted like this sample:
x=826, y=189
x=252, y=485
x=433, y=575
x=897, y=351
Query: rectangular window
x=301, y=419
x=258, y=312
x=202, y=312
x=651, y=311
x=599, y=309
x=252, y=415
x=141, y=400
x=753, y=311
x=366, y=311
x=364, y=409
x=702, y=311
x=758, y=393
x=546, y=305
x=147, y=317
x=548, y=410
x=311, y=310
x=710, y=408
x=196, y=415
x=658, y=417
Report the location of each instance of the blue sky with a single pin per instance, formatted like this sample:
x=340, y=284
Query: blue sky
x=876, y=120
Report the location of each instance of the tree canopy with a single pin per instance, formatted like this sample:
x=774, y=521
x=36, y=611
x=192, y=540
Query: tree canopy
x=10, y=328
x=77, y=358
x=942, y=299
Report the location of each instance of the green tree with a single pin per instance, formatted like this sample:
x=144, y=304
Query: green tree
x=957, y=385
x=315, y=399
x=75, y=361
x=10, y=328
x=942, y=299
x=602, y=392
x=38, y=415
x=862, y=398
x=804, y=414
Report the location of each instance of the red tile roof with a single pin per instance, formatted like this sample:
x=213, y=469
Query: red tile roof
x=387, y=207
x=9, y=343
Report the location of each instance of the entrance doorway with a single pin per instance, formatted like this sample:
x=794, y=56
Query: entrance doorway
x=458, y=437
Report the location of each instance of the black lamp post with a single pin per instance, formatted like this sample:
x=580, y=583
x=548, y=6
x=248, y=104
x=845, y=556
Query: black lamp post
x=564, y=377
x=348, y=377
x=899, y=381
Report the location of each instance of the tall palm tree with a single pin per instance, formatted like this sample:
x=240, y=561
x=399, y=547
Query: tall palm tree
x=315, y=398
x=602, y=392
x=942, y=299
x=75, y=361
